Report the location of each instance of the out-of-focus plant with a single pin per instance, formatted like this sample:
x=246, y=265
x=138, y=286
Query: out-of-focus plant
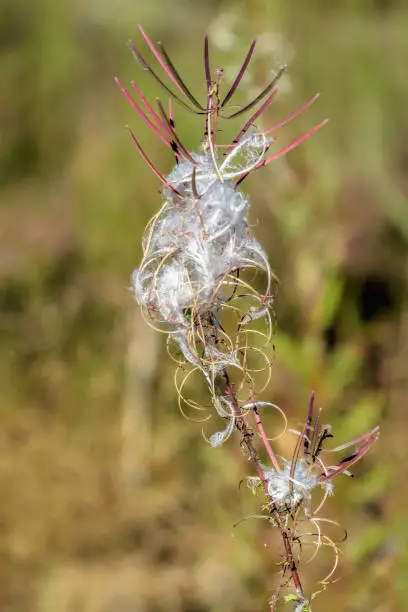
x=198, y=283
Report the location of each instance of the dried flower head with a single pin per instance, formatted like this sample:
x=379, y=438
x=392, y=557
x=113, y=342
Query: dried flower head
x=291, y=482
x=196, y=283
x=198, y=250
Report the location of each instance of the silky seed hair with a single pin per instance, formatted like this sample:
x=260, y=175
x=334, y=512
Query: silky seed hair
x=196, y=281
x=206, y=283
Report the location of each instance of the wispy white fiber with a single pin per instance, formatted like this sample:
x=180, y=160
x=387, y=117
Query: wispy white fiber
x=289, y=491
x=192, y=248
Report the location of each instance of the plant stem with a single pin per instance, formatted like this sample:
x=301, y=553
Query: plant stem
x=247, y=435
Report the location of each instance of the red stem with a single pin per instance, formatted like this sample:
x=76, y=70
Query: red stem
x=263, y=435
x=247, y=440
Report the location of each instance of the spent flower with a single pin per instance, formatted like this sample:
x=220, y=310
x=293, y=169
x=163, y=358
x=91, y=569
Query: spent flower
x=199, y=246
x=196, y=283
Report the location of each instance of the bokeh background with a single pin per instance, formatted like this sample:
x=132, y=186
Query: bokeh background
x=111, y=501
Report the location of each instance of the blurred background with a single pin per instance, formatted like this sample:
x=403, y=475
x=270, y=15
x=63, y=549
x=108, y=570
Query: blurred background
x=111, y=501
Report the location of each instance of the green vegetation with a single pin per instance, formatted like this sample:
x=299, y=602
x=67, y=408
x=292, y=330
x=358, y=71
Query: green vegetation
x=111, y=500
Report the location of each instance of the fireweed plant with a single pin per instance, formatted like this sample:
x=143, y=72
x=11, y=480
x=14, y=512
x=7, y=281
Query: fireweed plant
x=198, y=282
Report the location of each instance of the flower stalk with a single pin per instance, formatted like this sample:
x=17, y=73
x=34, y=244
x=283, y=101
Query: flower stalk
x=195, y=283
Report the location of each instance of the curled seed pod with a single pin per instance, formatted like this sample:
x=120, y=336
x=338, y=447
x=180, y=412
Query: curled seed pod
x=199, y=245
